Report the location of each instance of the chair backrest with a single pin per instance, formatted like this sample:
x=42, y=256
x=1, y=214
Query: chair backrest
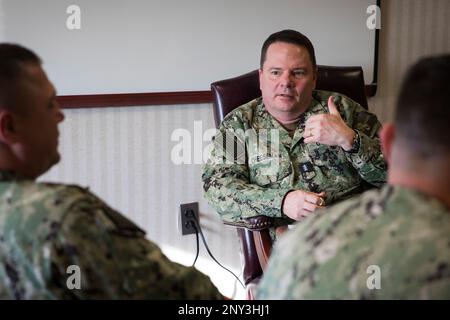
x=231, y=93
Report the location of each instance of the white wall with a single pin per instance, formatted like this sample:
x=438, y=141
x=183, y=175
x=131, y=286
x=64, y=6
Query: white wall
x=175, y=45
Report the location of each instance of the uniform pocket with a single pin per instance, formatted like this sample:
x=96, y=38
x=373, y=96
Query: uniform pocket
x=326, y=156
x=334, y=170
x=269, y=171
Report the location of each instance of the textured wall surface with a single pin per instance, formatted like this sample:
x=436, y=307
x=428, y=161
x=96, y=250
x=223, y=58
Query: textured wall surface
x=410, y=29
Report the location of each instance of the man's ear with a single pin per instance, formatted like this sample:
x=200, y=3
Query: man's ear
x=387, y=136
x=8, y=130
x=260, y=71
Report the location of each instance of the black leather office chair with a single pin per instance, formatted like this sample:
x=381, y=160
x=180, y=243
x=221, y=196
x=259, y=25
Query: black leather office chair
x=228, y=94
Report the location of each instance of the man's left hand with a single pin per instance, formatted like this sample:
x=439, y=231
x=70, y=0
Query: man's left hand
x=329, y=129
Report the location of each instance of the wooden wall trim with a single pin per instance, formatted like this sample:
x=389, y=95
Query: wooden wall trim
x=134, y=99
x=147, y=99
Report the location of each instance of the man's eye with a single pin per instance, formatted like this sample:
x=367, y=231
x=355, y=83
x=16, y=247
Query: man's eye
x=299, y=73
x=51, y=104
x=274, y=72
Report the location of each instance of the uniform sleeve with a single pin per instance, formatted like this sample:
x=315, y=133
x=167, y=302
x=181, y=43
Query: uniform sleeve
x=115, y=263
x=368, y=160
x=226, y=179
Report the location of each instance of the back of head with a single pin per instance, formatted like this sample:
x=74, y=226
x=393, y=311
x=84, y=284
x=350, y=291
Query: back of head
x=423, y=112
x=13, y=58
x=292, y=37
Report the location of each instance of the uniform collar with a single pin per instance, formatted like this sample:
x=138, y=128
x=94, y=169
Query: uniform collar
x=266, y=121
x=7, y=175
x=405, y=191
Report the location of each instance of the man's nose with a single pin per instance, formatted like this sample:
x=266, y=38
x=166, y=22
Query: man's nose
x=286, y=79
x=59, y=114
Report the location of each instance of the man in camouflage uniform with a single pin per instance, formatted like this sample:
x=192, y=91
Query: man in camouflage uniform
x=295, y=149
x=392, y=243
x=49, y=232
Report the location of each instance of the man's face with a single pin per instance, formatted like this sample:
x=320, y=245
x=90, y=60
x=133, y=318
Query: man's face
x=37, y=124
x=287, y=79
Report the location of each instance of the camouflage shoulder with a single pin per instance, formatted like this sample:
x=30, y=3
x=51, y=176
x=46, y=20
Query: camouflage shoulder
x=310, y=233
x=73, y=199
x=357, y=204
x=51, y=198
x=352, y=209
x=242, y=116
x=65, y=194
x=344, y=102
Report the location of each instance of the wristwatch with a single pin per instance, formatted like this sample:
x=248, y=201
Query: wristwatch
x=355, y=143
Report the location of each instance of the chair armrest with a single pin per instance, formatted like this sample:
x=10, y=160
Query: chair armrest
x=254, y=223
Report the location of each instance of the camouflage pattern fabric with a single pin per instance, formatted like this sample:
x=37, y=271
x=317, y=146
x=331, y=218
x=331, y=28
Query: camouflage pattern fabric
x=255, y=162
x=45, y=228
x=397, y=234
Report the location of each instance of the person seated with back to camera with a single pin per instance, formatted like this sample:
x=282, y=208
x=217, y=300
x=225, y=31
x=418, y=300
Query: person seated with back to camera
x=46, y=228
